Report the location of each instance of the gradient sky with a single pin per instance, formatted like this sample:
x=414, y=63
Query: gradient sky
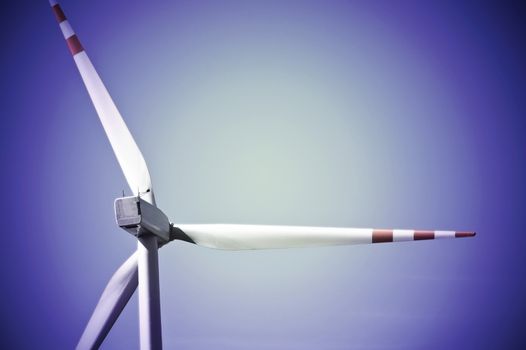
x=324, y=113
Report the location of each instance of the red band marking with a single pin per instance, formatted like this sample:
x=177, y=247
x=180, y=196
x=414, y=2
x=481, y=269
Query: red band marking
x=382, y=236
x=464, y=234
x=74, y=45
x=419, y=235
x=59, y=14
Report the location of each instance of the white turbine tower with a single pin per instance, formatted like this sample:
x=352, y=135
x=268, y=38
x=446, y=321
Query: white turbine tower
x=140, y=216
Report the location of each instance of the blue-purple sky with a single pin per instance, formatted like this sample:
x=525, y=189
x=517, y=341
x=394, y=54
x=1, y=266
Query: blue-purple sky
x=323, y=113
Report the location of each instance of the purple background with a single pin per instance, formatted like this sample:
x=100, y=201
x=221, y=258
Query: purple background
x=361, y=114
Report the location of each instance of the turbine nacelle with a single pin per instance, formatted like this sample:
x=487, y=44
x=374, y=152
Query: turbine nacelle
x=139, y=217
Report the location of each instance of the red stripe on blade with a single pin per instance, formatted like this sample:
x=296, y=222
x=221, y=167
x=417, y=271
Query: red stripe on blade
x=464, y=234
x=382, y=236
x=59, y=14
x=74, y=45
x=420, y=235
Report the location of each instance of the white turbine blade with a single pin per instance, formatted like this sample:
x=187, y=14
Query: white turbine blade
x=118, y=291
x=239, y=237
x=128, y=154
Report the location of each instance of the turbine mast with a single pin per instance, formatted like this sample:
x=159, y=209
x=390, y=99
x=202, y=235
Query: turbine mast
x=149, y=299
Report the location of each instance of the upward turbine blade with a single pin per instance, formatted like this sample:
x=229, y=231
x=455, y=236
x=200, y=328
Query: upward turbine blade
x=126, y=150
x=116, y=295
x=240, y=237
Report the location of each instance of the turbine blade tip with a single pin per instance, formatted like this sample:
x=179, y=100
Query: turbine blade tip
x=462, y=234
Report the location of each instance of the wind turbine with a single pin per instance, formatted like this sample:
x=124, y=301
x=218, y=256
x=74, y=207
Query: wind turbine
x=140, y=216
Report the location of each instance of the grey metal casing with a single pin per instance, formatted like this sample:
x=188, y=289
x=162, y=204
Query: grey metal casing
x=139, y=217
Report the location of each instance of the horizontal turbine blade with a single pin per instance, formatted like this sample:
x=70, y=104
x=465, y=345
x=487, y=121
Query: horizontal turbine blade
x=116, y=295
x=240, y=237
x=126, y=150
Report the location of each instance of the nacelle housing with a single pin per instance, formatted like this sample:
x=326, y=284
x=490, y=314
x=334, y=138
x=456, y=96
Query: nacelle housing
x=139, y=217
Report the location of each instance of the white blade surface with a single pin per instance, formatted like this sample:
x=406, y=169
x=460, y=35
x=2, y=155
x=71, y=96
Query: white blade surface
x=116, y=295
x=239, y=237
x=126, y=150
